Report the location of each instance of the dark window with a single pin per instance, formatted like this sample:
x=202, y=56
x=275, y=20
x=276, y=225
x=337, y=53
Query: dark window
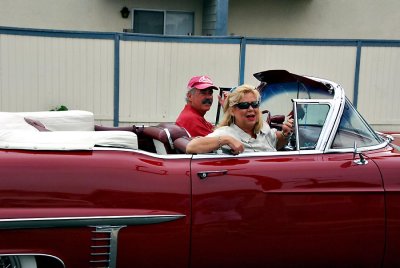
x=149, y=22
x=163, y=22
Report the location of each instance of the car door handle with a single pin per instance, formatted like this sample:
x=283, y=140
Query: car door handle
x=204, y=174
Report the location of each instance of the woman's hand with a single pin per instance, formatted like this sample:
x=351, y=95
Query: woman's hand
x=208, y=144
x=284, y=135
x=287, y=127
x=235, y=144
x=222, y=99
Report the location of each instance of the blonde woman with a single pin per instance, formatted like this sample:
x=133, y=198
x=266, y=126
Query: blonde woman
x=242, y=128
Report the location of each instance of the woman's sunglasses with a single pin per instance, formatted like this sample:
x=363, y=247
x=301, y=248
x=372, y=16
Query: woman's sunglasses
x=246, y=105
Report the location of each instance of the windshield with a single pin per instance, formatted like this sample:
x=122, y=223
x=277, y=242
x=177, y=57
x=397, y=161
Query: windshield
x=353, y=128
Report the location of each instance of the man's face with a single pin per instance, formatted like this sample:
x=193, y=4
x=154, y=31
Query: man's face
x=201, y=100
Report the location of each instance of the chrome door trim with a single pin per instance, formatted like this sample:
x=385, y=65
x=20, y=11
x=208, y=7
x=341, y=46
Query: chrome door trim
x=57, y=222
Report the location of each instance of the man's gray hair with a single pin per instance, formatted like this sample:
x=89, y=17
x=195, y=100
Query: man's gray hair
x=191, y=92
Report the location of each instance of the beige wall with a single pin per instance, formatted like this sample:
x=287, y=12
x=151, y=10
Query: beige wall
x=85, y=15
x=343, y=19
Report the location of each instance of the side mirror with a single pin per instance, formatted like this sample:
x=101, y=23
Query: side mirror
x=361, y=160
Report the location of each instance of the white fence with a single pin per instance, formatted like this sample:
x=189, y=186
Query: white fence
x=125, y=78
x=39, y=73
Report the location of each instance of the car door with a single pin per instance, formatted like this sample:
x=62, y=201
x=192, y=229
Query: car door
x=286, y=209
x=303, y=207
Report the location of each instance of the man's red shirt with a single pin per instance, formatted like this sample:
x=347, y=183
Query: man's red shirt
x=194, y=122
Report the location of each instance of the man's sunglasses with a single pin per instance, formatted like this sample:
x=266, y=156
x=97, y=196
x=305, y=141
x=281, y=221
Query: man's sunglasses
x=246, y=105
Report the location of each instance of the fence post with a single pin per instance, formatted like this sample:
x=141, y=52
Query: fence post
x=357, y=73
x=242, y=60
x=116, y=79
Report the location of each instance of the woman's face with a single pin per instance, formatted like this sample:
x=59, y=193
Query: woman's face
x=246, y=118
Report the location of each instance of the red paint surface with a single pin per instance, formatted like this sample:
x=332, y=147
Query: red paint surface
x=286, y=211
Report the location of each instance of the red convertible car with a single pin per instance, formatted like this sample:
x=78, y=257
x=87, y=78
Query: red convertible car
x=73, y=194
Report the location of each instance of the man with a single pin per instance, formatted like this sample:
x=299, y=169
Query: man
x=199, y=99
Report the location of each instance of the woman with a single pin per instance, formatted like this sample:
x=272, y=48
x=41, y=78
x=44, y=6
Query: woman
x=242, y=128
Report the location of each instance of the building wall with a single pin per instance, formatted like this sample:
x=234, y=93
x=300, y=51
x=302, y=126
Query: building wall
x=350, y=19
x=344, y=19
x=85, y=15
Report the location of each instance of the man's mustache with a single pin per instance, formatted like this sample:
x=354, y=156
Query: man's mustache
x=207, y=101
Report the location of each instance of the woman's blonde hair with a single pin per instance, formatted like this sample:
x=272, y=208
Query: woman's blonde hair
x=233, y=99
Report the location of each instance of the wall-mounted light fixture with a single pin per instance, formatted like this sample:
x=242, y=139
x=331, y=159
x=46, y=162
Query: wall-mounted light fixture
x=125, y=12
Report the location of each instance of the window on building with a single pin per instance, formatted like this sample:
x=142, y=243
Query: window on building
x=163, y=22
x=150, y=22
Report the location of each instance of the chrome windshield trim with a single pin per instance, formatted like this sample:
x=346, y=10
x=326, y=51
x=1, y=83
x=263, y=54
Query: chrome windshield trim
x=329, y=121
x=60, y=222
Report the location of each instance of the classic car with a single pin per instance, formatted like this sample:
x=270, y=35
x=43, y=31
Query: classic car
x=74, y=194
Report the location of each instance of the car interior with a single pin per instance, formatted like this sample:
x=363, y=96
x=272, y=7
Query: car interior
x=76, y=130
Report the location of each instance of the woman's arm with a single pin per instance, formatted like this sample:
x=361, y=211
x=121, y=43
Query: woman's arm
x=209, y=144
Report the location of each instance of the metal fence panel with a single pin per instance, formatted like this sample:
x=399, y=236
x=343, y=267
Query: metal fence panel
x=154, y=75
x=40, y=70
x=40, y=73
x=379, y=93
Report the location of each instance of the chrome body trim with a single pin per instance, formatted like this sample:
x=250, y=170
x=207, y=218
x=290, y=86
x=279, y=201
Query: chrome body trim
x=359, y=149
x=244, y=155
x=311, y=152
x=155, y=155
x=28, y=223
x=385, y=136
x=395, y=146
x=106, y=253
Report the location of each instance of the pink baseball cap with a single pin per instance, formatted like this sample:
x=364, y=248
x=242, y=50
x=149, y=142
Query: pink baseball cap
x=201, y=82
